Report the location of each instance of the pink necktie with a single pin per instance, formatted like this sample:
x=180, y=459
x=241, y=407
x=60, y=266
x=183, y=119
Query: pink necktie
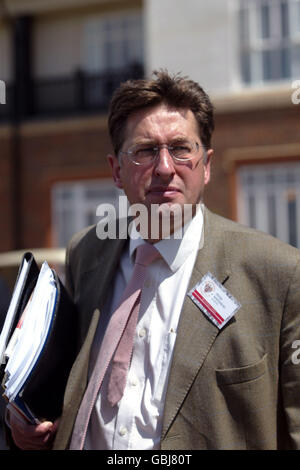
x=117, y=342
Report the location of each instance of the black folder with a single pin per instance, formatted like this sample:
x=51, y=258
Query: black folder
x=41, y=395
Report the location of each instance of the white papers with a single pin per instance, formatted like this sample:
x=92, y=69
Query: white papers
x=12, y=310
x=26, y=345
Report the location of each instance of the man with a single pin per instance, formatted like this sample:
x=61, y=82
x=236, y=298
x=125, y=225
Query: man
x=196, y=380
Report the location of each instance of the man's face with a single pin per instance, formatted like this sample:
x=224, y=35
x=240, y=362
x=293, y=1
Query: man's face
x=162, y=181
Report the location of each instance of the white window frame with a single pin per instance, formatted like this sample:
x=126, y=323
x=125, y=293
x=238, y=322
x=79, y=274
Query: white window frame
x=281, y=189
x=114, y=29
x=77, y=209
x=257, y=45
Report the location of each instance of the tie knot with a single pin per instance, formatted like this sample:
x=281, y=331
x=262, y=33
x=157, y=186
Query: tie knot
x=145, y=254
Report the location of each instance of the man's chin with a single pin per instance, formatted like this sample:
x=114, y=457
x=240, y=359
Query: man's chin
x=164, y=218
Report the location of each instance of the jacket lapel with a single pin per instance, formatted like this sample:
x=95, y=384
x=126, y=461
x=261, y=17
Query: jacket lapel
x=97, y=280
x=189, y=353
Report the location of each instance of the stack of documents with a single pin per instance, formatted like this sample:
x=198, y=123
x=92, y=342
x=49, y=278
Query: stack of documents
x=38, y=343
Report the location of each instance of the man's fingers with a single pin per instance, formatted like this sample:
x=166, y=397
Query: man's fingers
x=29, y=436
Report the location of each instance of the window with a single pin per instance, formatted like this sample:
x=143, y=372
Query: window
x=269, y=200
x=269, y=37
x=74, y=206
x=113, y=41
x=112, y=52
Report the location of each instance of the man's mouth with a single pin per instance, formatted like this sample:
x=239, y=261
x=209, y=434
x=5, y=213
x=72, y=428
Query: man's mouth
x=163, y=190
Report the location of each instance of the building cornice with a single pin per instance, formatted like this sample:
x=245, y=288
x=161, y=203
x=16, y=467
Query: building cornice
x=28, y=7
x=271, y=97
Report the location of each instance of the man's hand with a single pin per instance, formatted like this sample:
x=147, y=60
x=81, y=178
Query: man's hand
x=32, y=437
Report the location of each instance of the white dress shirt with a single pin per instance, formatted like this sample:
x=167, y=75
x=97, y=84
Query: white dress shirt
x=136, y=422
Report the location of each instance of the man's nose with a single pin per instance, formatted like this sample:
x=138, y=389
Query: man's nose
x=164, y=165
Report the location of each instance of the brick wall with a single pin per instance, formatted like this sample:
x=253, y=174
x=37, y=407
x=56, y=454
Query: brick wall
x=53, y=152
x=247, y=129
x=51, y=157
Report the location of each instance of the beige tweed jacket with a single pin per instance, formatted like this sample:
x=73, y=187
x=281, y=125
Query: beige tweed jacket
x=234, y=388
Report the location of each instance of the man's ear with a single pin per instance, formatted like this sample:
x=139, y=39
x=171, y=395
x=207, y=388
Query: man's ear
x=209, y=155
x=116, y=170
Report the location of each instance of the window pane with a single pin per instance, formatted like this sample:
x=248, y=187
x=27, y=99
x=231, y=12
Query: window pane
x=292, y=218
x=66, y=228
x=265, y=22
x=252, y=213
x=285, y=63
x=244, y=26
x=276, y=64
x=295, y=61
x=285, y=27
x=90, y=218
x=272, y=221
x=298, y=16
x=267, y=65
x=245, y=66
x=107, y=48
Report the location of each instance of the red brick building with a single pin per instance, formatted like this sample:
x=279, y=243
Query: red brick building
x=54, y=142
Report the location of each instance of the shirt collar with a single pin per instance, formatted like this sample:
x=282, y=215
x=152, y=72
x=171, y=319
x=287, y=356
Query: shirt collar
x=174, y=250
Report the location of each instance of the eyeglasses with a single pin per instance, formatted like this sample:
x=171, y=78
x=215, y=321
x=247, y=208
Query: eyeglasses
x=181, y=152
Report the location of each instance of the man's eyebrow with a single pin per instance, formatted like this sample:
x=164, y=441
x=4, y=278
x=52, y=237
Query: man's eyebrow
x=149, y=141
x=144, y=141
x=179, y=139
